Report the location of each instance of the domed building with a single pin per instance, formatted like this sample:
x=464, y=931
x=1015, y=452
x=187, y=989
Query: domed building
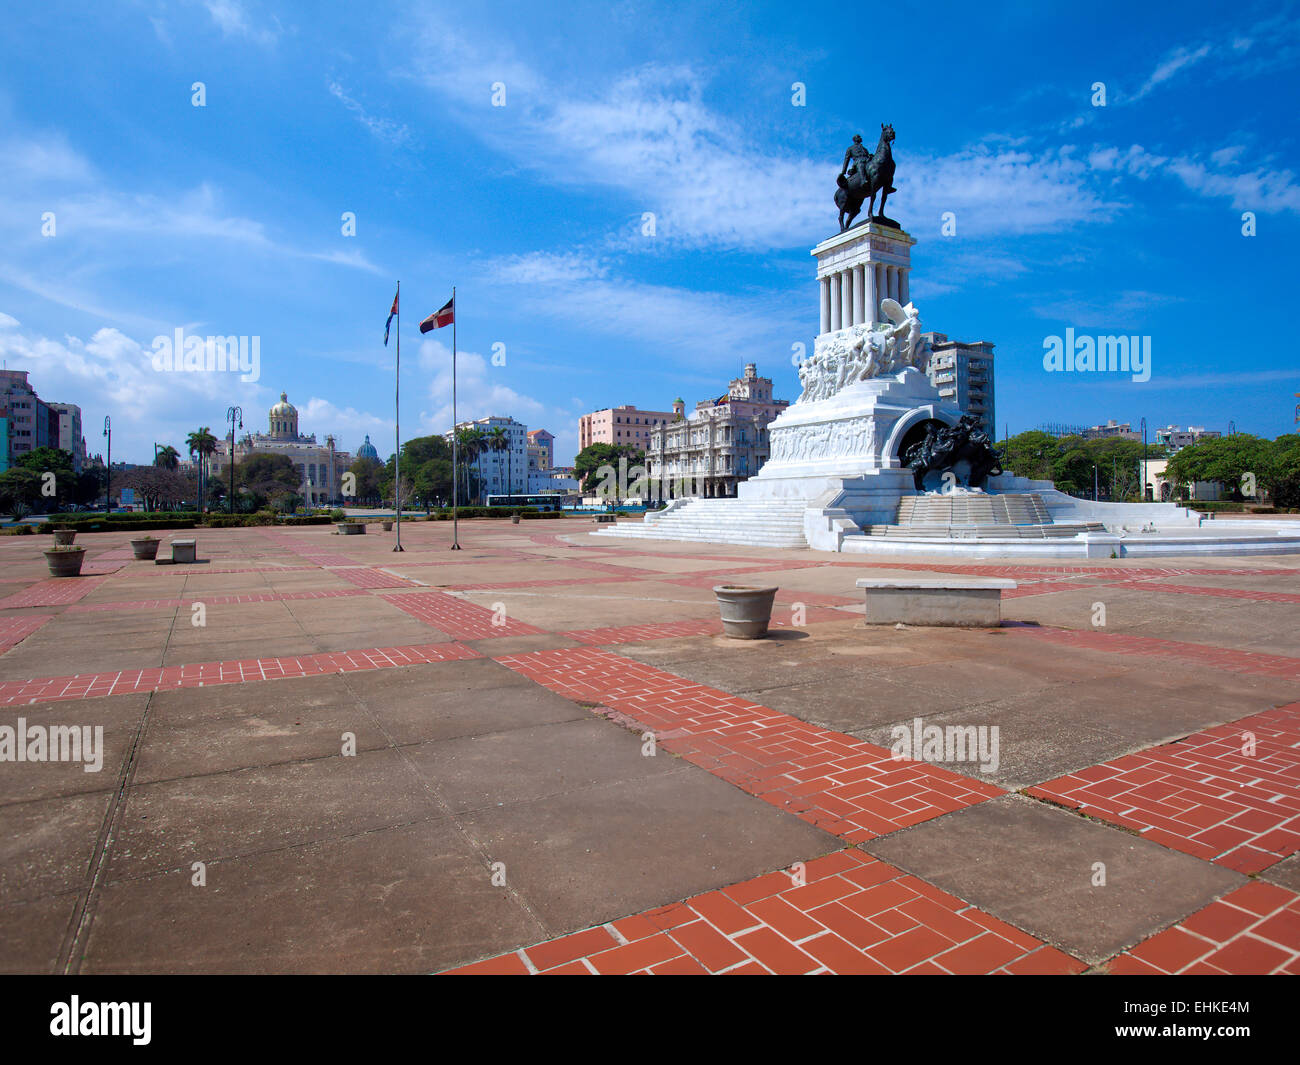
x=367, y=450
x=320, y=466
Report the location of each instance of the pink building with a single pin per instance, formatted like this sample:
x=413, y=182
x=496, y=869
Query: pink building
x=622, y=425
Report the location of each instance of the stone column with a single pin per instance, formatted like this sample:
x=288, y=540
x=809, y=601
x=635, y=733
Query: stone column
x=859, y=294
x=826, y=304
x=882, y=290
x=903, y=296
x=893, y=282
x=846, y=315
x=837, y=302
x=870, y=302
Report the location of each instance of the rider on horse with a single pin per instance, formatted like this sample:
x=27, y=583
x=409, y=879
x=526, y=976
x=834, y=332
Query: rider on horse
x=858, y=156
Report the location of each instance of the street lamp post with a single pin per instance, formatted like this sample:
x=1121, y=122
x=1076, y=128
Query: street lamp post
x=1094, y=484
x=233, y=414
x=108, y=467
x=1142, y=478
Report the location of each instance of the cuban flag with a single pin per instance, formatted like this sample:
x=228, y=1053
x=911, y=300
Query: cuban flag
x=445, y=315
x=388, y=325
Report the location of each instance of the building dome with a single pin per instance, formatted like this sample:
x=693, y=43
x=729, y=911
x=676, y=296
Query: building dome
x=367, y=450
x=283, y=418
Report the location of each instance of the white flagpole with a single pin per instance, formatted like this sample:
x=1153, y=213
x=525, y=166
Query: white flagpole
x=455, y=514
x=397, y=420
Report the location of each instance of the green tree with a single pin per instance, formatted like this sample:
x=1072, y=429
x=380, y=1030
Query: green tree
x=203, y=445
x=19, y=487
x=167, y=458
x=368, y=473
x=586, y=467
x=497, y=440
x=1225, y=460
x=1282, y=478
x=264, y=478
x=1030, y=454
x=51, y=494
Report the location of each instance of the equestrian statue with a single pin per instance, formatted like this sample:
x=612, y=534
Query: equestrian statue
x=863, y=175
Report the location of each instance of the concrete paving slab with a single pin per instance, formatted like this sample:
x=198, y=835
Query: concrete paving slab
x=1285, y=873
x=215, y=816
x=590, y=856
x=1034, y=866
x=119, y=717
x=501, y=768
x=46, y=845
x=410, y=899
x=31, y=933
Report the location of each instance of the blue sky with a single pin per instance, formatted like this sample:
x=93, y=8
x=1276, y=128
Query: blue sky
x=226, y=219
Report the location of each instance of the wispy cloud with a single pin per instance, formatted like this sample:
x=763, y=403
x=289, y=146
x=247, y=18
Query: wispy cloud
x=233, y=19
x=392, y=133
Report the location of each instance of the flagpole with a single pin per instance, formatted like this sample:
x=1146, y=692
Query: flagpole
x=397, y=423
x=455, y=512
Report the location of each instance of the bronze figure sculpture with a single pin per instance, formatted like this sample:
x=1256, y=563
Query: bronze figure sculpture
x=863, y=175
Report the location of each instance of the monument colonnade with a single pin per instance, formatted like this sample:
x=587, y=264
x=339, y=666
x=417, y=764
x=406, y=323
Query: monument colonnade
x=851, y=296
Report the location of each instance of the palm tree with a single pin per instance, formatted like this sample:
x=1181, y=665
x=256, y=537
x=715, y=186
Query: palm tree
x=468, y=443
x=168, y=458
x=203, y=444
x=498, y=440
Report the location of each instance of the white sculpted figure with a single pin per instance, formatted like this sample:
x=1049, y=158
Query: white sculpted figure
x=862, y=352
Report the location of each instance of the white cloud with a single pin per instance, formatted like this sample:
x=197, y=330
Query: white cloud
x=113, y=373
x=1180, y=59
x=392, y=133
x=651, y=137
x=1124, y=310
x=233, y=20
x=8, y=321
x=481, y=390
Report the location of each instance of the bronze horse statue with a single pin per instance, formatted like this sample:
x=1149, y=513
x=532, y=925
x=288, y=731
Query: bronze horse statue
x=862, y=182
x=963, y=449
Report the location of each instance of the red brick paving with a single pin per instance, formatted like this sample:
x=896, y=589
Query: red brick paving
x=1203, y=795
x=364, y=577
x=53, y=592
x=1257, y=595
x=94, y=685
x=213, y=600
x=852, y=789
x=458, y=618
x=14, y=630
x=1251, y=931
x=853, y=915
x=1226, y=658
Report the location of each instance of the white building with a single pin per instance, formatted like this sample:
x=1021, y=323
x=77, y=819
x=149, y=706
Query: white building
x=502, y=472
x=1158, y=489
x=963, y=374
x=722, y=443
x=1174, y=438
x=320, y=466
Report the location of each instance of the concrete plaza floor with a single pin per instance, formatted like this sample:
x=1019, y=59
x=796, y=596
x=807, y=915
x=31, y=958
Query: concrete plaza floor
x=539, y=754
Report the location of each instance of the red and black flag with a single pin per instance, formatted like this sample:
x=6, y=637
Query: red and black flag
x=389, y=323
x=445, y=315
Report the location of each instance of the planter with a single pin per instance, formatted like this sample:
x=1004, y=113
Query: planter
x=514, y=519
x=746, y=611
x=64, y=537
x=350, y=528
x=388, y=526
x=145, y=548
x=65, y=561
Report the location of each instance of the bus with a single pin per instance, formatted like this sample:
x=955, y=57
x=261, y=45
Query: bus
x=548, y=501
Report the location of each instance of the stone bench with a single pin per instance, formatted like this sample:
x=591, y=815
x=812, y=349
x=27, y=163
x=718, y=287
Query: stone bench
x=184, y=550
x=954, y=600
x=350, y=528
